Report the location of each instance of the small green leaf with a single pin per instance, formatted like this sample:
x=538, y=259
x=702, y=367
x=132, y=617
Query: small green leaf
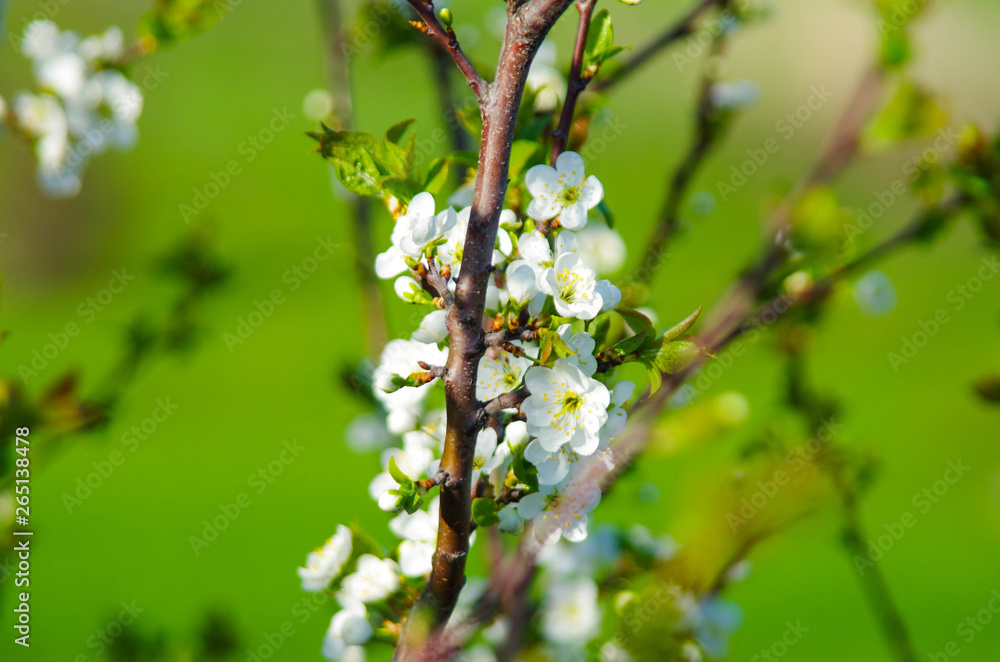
x=484, y=512
x=600, y=45
x=437, y=176
x=599, y=328
x=395, y=132
x=655, y=379
x=606, y=212
x=636, y=321
x=684, y=325
x=397, y=473
x=559, y=345
x=545, y=349
x=636, y=343
x=524, y=471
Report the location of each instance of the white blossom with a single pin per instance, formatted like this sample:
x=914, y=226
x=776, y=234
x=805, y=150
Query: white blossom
x=375, y=579
x=565, y=407
x=573, y=287
x=452, y=250
x=432, y=328
x=582, y=345
x=562, y=510
x=571, y=615
x=349, y=630
x=601, y=248
x=418, y=531
x=521, y=283
x=402, y=357
x=324, y=564
x=499, y=372
x=563, y=191
x=617, y=415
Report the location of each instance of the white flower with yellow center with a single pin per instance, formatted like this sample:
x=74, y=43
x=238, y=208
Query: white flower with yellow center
x=573, y=287
x=324, y=564
x=349, y=630
x=565, y=407
x=563, y=191
x=499, y=372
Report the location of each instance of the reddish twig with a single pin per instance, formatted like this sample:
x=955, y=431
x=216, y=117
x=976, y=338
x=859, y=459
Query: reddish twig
x=577, y=81
x=430, y=24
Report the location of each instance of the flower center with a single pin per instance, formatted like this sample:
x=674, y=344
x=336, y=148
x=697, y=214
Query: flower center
x=571, y=403
x=569, y=280
x=569, y=195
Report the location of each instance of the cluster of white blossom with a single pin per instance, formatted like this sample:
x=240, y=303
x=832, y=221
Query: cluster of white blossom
x=570, y=413
x=83, y=106
x=547, y=276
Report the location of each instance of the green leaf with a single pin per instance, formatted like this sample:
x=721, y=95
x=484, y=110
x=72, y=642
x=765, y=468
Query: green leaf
x=484, y=512
x=371, y=167
x=174, y=21
x=599, y=328
x=545, y=349
x=524, y=471
x=635, y=343
x=684, y=325
x=600, y=45
x=636, y=321
x=437, y=176
x=395, y=132
x=559, y=345
x=606, y=212
x=655, y=379
x=397, y=473
x=912, y=112
x=523, y=153
x=675, y=356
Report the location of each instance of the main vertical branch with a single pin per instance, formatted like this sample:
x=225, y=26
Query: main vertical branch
x=527, y=25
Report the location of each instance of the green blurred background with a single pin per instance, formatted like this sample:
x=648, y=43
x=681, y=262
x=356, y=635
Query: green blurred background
x=130, y=540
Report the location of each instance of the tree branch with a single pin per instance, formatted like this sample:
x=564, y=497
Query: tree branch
x=674, y=31
x=446, y=37
x=527, y=26
x=577, y=80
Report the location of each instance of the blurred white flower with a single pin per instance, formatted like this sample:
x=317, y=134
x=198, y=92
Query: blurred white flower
x=324, y=564
x=375, y=579
x=571, y=615
x=601, y=248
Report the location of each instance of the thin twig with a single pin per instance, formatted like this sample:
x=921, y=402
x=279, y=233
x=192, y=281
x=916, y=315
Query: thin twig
x=339, y=77
x=577, y=80
x=677, y=30
x=446, y=37
x=707, y=133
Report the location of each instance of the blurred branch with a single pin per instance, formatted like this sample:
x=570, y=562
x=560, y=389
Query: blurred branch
x=708, y=130
x=339, y=76
x=675, y=31
x=840, y=149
